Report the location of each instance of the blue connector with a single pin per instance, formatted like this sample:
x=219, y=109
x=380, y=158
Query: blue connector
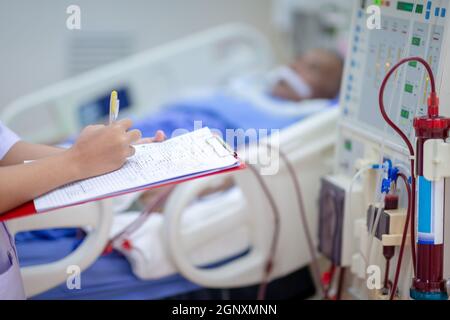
x=390, y=174
x=393, y=173
x=386, y=182
x=385, y=186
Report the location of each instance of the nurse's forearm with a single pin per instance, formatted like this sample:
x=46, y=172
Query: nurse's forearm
x=98, y=150
x=23, y=151
x=23, y=182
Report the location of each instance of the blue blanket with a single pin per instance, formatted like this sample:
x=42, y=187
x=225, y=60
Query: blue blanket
x=218, y=111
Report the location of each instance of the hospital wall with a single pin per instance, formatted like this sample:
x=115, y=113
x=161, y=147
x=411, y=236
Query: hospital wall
x=37, y=49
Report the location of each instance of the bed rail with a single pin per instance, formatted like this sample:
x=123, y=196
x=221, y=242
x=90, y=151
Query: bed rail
x=95, y=216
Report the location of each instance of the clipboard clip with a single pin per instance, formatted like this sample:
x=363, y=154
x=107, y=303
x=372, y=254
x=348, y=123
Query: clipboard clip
x=219, y=146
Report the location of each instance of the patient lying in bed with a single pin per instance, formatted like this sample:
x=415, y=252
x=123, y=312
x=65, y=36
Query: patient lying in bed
x=286, y=96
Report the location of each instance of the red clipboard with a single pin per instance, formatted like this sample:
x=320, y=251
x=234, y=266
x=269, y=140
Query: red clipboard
x=29, y=208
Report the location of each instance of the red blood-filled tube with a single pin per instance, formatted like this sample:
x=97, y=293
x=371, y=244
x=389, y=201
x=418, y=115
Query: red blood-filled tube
x=429, y=282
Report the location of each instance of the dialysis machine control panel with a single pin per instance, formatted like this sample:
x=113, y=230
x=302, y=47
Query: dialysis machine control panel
x=406, y=28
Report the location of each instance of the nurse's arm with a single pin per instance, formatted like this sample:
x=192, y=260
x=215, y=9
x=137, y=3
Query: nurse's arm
x=98, y=150
x=23, y=151
x=23, y=182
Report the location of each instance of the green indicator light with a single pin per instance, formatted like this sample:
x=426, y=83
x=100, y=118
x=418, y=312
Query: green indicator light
x=409, y=88
x=416, y=41
x=404, y=114
x=348, y=145
x=405, y=6
x=412, y=64
x=419, y=8
x=377, y=2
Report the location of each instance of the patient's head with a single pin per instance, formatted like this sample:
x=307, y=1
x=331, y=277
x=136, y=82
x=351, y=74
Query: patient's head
x=314, y=75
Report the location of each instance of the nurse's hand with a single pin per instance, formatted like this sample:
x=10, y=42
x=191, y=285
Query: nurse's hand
x=101, y=149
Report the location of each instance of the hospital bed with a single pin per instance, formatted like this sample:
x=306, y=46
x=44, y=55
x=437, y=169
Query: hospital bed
x=148, y=80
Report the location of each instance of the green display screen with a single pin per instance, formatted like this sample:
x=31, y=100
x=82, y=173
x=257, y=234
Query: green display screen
x=409, y=88
x=404, y=114
x=348, y=145
x=416, y=41
x=405, y=6
x=412, y=64
x=419, y=8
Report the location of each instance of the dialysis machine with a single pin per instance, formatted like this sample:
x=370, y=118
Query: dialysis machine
x=364, y=206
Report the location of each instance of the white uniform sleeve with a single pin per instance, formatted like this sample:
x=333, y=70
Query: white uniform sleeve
x=7, y=140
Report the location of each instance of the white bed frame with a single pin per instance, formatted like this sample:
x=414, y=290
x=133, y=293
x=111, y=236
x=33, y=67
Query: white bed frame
x=154, y=77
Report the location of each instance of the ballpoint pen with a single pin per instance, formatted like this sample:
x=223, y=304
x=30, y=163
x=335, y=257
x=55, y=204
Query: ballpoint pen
x=114, y=105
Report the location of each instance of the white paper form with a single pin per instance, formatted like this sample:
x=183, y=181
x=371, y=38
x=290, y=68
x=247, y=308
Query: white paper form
x=188, y=155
